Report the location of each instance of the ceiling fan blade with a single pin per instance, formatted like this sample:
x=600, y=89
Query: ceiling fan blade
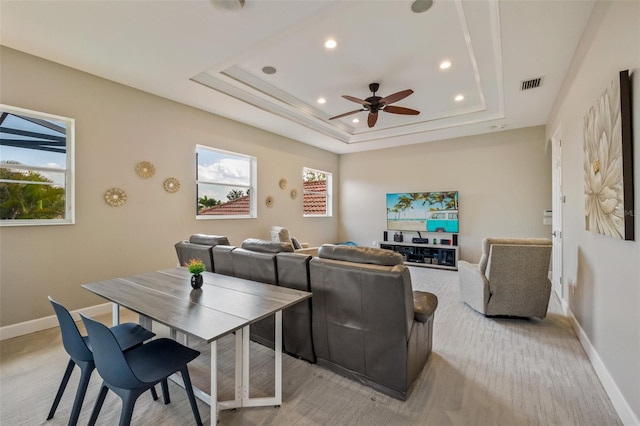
x=371, y=120
x=400, y=110
x=347, y=113
x=396, y=97
x=356, y=100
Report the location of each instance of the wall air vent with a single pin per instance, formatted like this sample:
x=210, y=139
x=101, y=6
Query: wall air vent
x=531, y=84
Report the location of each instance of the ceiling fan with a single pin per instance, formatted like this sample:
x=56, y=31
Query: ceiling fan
x=374, y=103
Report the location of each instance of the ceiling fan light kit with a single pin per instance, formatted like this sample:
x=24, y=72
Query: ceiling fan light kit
x=374, y=103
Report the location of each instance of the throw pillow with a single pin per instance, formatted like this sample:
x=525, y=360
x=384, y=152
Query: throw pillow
x=296, y=244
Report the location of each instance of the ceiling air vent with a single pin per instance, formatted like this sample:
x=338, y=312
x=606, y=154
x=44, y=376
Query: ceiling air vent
x=530, y=84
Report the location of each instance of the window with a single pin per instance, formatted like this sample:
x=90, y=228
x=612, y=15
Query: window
x=36, y=168
x=225, y=184
x=316, y=194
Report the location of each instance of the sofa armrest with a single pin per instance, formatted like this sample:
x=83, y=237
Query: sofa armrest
x=474, y=286
x=311, y=251
x=424, y=305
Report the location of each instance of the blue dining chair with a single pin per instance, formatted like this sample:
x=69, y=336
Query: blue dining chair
x=78, y=347
x=129, y=374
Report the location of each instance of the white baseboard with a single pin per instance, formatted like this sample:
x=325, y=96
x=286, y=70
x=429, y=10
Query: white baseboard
x=627, y=416
x=15, y=330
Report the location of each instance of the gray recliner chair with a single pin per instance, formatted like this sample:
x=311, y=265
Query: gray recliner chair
x=512, y=278
x=368, y=323
x=200, y=247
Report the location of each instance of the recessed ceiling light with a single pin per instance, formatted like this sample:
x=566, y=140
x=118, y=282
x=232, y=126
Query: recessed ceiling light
x=419, y=6
x=355, y=120
x=459, y=98
x=444, y=65
x=322, y=100
x=269, y=70
x=330, y=44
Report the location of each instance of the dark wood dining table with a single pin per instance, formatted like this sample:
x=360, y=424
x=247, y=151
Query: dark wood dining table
x=223, y=305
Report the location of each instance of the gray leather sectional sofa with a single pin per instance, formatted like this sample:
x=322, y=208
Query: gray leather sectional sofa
x=364, y=320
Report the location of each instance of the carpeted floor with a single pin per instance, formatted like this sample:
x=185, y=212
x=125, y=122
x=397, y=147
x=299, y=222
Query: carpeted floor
x=482, y=372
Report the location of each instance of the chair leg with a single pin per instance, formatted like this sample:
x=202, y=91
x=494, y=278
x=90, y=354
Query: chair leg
x=128, y=403
x=63, y=385
x=165, y=391
x=153, y=393
x=99, y=401
x=85, y=375
x=192, y=399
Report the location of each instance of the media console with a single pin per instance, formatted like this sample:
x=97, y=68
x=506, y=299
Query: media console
x=427, y=255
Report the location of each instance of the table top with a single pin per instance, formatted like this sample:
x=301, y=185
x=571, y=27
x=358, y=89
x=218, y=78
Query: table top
x=223, y=304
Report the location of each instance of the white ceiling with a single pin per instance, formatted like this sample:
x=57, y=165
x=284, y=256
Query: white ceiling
x=209, y=54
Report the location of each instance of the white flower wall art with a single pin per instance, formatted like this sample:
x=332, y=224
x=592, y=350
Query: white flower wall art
x=608, y=170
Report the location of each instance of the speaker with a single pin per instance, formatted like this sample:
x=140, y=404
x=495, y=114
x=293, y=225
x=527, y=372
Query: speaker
x=455, y=239
x=384, y=236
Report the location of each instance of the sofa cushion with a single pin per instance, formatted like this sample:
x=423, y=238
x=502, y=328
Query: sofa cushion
x=208, y=240
x=369, y=255
x=264, y=246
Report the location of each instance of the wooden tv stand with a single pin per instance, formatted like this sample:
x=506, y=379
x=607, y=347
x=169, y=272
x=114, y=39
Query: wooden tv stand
x=440, y=256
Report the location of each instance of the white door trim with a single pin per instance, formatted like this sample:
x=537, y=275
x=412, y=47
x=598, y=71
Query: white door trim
x=557, y=206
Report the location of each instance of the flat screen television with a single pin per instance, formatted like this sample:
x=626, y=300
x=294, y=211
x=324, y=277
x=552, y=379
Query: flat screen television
x=435, y=211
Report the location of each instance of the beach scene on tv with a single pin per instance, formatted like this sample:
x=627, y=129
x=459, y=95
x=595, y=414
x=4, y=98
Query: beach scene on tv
x=423, y=211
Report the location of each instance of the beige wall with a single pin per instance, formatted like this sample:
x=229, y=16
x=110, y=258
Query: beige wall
x=116, y=127
x=602, y=274
x=503, y=179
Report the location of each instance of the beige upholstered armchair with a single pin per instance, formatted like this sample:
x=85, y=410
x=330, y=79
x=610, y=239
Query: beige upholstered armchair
x=280, y=234
x=512, y=278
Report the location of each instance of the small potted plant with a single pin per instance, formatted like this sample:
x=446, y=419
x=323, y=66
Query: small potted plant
x=196, y=267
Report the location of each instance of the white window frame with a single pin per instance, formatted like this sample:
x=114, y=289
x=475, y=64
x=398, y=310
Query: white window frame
x=253, y=167
x=69, y=171
x=328, y=193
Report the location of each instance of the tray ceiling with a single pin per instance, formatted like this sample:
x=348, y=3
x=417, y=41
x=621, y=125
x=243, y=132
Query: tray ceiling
x=210, y=54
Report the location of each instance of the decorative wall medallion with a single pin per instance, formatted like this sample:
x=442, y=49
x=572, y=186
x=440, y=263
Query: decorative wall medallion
x=269, y=201
x=283, y=183
x=171, y=185
x=294, y=194
x=115, y=197
x=145, y=169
